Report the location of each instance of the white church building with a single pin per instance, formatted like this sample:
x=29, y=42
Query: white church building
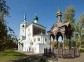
x=33, y=37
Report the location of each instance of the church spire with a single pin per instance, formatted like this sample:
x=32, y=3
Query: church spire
x=24, y=16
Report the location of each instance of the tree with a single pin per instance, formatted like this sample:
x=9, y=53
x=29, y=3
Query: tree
x=80, y=29
x=69, y=17
x=3, y=27
x=82, y=20
x=3, y=8
x=5, y=38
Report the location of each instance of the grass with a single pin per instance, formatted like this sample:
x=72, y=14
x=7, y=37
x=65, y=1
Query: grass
x=81, y=50
x=13, y=55
x=10, y=55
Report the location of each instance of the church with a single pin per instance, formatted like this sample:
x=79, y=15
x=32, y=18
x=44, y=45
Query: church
x=33, y=36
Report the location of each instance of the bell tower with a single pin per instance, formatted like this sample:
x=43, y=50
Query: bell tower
x=23, y=26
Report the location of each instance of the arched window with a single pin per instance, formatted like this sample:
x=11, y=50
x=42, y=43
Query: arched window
x=38, y=39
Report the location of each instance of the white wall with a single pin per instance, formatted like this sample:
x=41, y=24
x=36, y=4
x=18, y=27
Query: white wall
x=42, y=39
x=41, y=48
x=38, y=46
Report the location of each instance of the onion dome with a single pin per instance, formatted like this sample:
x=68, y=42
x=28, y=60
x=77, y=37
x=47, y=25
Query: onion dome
x=35, y=19
x=59, y=13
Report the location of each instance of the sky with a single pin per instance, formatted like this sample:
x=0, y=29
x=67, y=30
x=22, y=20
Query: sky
x=44, y=9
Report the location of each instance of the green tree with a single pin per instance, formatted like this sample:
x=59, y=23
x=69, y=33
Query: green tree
x=6, y=38
x=69, y=14
x=82, y=20
x=3, y=27
x=80, y=29
x=69, y=17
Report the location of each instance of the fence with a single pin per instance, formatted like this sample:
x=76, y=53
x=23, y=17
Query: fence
x=62, y=53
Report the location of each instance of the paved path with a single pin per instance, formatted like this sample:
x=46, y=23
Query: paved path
x=78, y=59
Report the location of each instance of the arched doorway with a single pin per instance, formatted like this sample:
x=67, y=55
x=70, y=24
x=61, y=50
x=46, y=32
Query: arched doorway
x=59, y=38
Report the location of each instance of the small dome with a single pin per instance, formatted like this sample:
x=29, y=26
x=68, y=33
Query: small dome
x=59, y=13
x=36, y=18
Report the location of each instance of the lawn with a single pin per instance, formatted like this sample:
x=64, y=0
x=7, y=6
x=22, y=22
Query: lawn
x=10, y=55
x=81, y=50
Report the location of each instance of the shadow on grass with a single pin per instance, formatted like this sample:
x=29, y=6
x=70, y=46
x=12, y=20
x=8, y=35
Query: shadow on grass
x=30, y=59
x=11, y=53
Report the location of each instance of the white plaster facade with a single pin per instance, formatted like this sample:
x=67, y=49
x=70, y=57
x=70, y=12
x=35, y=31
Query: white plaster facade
x=32, y=37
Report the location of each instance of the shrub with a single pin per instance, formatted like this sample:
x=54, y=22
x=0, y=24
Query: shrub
x=43, y=59
x=82, y=50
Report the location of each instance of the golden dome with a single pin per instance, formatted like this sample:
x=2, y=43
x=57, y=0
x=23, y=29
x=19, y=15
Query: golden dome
x=59, y=13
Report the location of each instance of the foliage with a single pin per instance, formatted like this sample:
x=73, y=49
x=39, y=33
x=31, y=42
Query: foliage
x=6, y=33
x=82, y=50
x=43, y=59
x=69, y=17
x=79, y=29
x=3, y=8
x=69, y=14
x=53, y=44
x=82, y=20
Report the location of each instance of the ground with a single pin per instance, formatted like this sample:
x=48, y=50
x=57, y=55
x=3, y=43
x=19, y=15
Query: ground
x=10, y=55
x=78, y=59
x=13, y=55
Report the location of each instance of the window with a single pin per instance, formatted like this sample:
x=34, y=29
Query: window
x=23, y=37
x=22, y=25
x=31, y=43
x=38, y=39
x=45, y=39
x=34, y=39
x=23, y=30
x=26, y=25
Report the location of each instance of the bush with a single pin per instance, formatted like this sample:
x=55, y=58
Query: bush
x=82, y=50
x=82, y=46
x=43, y=59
